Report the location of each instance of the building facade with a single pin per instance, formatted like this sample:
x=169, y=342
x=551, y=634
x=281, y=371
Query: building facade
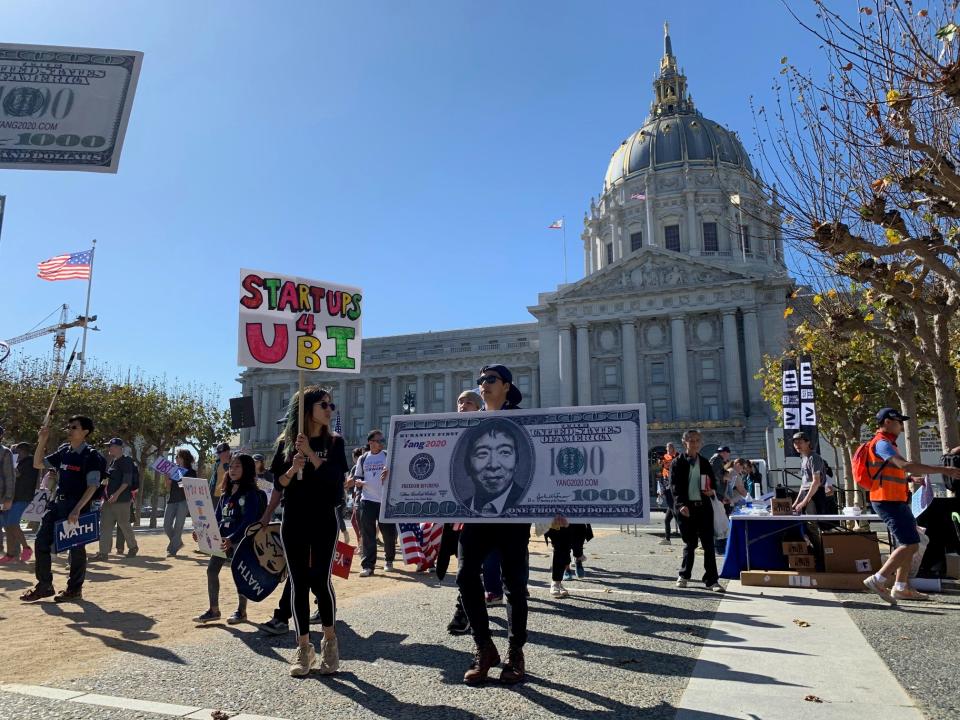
x=684, y=291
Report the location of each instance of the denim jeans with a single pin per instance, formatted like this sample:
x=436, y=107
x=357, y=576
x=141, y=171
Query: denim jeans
x=174, y=515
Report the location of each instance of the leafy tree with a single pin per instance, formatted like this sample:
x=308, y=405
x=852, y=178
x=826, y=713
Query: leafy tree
x=865, y=161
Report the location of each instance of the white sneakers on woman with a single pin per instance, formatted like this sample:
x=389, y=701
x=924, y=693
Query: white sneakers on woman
x=557, y=590
x=304, y=661
x=329, y=656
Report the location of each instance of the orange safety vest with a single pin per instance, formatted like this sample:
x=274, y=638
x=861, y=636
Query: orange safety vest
x=890, y=483
x=665, y=464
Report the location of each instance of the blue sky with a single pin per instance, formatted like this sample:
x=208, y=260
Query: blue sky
x=415, y=149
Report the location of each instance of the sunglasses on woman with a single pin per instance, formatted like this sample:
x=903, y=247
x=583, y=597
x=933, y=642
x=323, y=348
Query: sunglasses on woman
x=325, y=405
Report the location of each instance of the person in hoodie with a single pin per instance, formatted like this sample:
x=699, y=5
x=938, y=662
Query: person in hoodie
x=240, y=505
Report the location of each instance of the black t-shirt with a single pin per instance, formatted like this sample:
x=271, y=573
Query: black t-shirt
x=121, y=471
x=76, y=470
x=176, y=492
x=26, y=485
x=320, y=488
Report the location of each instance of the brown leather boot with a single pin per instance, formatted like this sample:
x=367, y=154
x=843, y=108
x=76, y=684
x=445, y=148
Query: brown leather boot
x=484, y=658
x=514, y=670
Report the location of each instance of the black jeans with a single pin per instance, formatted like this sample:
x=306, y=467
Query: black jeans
x=476, y=542
x=309, y=544
x=698, y=527
x=214, y=565
x=668, y=513
x=43, y=547
x=369, y=519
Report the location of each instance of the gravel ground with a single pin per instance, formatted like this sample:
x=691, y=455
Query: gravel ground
x=623, y=644
x=918, y=641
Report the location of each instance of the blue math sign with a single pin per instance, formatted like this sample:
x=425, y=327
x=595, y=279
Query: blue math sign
x=87, y=530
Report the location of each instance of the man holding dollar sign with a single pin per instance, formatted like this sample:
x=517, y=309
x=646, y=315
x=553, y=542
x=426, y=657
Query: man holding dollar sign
x=479, y=540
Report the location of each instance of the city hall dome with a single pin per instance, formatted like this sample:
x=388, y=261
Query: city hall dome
x=675, y=132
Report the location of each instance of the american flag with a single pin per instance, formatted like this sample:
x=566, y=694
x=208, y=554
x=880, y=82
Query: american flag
x=638, y=196
x=555, y=225
x=420, y=543
x=74, y=266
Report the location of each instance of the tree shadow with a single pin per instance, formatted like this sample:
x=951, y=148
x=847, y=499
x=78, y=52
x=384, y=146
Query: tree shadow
x=134, y=629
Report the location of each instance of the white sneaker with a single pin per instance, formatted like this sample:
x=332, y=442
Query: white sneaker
x=681, y=582
x=558, y=591
x=388, y=567
x=304, y=661
x=716, y=587
x=872, y=584
x=329, y=656
x=366, y=572
x=664, y=541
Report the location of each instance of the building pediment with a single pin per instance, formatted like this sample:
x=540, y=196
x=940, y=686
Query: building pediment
x=653, y=270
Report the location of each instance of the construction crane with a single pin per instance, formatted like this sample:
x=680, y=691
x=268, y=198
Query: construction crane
x=59, y=340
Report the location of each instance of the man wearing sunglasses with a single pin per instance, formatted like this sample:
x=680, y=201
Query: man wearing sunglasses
x=80, y=469
x=369, y=478
x=477, y=541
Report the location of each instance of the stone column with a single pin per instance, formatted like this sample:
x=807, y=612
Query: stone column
x=751, y=348
x=583, y=365
x=263, y=423
x=534, y=400
x=681, y=375
x=368, y=420
x=601, y=253
x=731, y=364
x=566, y=367
x=449, y=397
x=616, y=235
x=631, y=377
x=394, y=395
x=693, y=243
x=549, y=364
x=587, y=254
x=421, y=393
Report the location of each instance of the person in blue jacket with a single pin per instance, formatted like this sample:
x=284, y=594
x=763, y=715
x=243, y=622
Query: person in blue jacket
x=239, y=507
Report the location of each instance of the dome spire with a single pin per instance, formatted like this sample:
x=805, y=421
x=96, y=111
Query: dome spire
x=670, y=86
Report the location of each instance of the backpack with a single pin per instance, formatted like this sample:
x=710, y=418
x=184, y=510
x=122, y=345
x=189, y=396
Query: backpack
x=861, y=473
x=827, y=469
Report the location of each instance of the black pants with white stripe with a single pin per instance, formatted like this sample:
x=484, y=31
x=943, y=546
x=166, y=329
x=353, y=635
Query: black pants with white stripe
x=309, y=543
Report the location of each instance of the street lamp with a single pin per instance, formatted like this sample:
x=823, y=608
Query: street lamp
x=409, y=402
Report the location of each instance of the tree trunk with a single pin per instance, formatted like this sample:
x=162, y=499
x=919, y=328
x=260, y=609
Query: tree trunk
x=944, y=385
x=907, y=394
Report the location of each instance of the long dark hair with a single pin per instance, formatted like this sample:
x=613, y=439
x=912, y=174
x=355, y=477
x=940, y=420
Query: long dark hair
x=311, y=396
x=186, y=457
x=248, y=476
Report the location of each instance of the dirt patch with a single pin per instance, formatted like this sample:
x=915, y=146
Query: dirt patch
x=143, y=605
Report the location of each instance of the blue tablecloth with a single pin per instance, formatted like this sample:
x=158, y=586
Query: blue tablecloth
x=765, y=550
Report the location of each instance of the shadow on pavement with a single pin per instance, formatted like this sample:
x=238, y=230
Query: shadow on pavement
x=381, y=702
x=134, y=629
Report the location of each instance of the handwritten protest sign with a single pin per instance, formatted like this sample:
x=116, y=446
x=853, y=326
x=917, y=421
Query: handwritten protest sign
x=68, y=535
x=266, y=486
x=202, y=513
x=37, y=507
x=171, y=470
x=291, y=323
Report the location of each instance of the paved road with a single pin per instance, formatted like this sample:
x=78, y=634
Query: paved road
x=623, y=645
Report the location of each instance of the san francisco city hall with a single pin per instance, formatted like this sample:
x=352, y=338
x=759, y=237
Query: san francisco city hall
x=672, y=311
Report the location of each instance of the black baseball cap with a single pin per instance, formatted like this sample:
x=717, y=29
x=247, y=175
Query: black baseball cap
x=115, y=441
x=514, y=396
x=723, y=448
x=257, y=456
x=889, y=413
x=801, y=436
x=222, y=448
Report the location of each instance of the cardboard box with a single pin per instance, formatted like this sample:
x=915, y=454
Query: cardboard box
x=781, y=506
x=801, y=562
x=953, y=565
x=795, y=548
x=804, y=579
x=850, y=552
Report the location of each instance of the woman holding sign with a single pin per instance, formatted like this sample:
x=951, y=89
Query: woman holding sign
x=175, y=511
x=238, y=508
x=310, y=466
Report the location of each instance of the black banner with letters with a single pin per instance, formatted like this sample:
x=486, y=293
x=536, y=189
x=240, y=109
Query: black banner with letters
x=799, y=403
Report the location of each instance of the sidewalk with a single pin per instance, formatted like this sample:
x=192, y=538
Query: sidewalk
x=815, y=661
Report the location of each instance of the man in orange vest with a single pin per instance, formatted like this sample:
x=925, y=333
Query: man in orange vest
x=890, y=498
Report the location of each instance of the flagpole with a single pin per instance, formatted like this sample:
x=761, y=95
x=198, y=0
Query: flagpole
x=563, y=225
x=86, y=314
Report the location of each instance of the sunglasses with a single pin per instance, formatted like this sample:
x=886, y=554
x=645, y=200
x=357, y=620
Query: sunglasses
x=325, y=405
x=488, y=379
